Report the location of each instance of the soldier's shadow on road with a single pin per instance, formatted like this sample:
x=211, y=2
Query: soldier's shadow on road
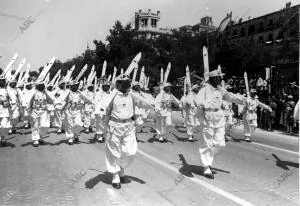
x=183, y=139
x=188, y=170
x=141, y=141
x=9, y=144
x=26, y=132
x=106, y=178
x=43, y=143
x=153, y=139
x=12, y=137
x=180, y=129
x=62, y=141
x=284, y=164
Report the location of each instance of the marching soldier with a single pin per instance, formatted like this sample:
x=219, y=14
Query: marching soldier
x=20, y=90
x=73, y=113
x=228, y=114
x=148, y=96
x=163, y=103
x=27, y=94
x=4, y=112
x=250, y=116
x=73, y=108
x=14, y=105
x=39, y=112
x=121, y=144
x=88, y=115
x=192, y=119
x=184, y=108
x=59, y=114
x=212, y=120
x=102, y=100
x=50, y=105
x=139, y=112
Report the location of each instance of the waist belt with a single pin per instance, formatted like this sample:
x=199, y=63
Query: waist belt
x=122, y=120
x=211, y=110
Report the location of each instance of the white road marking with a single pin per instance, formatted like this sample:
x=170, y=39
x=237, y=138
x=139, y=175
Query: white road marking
x=198, y=181
x=276, y=148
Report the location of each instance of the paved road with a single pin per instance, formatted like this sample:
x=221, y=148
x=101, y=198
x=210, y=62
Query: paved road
x=162, y=174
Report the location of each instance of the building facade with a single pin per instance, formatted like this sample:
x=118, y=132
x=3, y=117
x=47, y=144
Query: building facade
x=147, y=24
x=205, y=25
x=276, y=33
x=271, y=30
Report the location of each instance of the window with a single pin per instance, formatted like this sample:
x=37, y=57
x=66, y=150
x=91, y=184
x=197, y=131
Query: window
x=234, y=33
x=270, y=26
x=270, y=37
x=280, y=37
x=251, y=30
x=243, y=33
x=153, y=23
x=144, y=22
x=271, y=22
x=260, y=39
x=261, y=27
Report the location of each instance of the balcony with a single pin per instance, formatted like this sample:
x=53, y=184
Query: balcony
x=260, y=29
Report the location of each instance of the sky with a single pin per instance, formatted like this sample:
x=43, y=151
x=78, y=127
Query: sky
x=63, y=28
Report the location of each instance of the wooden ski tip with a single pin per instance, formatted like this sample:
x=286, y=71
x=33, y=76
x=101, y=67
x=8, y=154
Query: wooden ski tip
x=138, y=57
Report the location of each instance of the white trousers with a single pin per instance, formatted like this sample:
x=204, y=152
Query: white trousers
x=41, y=124
x=100, y=124
x=58, y=118
x=163, y=123
x=210, y=141
x=4, y=127
x=88, y=119
x=184, y=117
x=249, y=127
x=73, y=124
x=120, y=146
x=191, y=123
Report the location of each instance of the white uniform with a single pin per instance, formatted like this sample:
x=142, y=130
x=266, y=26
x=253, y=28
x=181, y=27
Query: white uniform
x=250, y=116
x=73, y=115
x=88, y=114
x=140, y=113
x=102, y=100
x=121, y=144
x=4, y=113
x=212, y=120
x=228, y=114
x=163, y=103
x=40, y=115
x=14, y=105
x=26, y=96
x=59, y=114
x=184, y=109
x=192, y=118
x=51, y=108
x=150, y=98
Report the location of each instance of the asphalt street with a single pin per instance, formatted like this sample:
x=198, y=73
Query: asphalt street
x=163, y=173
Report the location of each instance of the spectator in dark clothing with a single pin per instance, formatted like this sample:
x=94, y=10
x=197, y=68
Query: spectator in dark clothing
x=288, y=115
x=270, y=116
